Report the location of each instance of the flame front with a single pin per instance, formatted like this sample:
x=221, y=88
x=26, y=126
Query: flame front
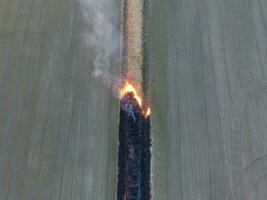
x=148, y=112
x=129, y=88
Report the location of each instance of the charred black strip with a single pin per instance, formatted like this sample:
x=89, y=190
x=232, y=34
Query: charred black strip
x=134, y=152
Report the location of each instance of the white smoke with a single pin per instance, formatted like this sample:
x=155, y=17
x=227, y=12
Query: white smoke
x=103, y=36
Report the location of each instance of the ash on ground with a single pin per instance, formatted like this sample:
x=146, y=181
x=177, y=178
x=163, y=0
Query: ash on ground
x=130, y=105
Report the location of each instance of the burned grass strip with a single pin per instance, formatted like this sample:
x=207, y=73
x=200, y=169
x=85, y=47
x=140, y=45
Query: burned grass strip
x=134, y=152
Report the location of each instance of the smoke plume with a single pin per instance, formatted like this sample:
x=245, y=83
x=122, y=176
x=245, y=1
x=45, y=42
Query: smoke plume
x=103, y=37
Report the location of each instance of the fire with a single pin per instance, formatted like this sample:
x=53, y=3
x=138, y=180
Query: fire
x=148, y=112
x=129, y=88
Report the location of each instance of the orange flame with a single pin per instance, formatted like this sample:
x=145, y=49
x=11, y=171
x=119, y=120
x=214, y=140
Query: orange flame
x=148, y=112
x=130, y=88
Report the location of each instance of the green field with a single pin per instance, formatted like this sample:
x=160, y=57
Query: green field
x=58, y=124
x=208, y=68
x=207, y=87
